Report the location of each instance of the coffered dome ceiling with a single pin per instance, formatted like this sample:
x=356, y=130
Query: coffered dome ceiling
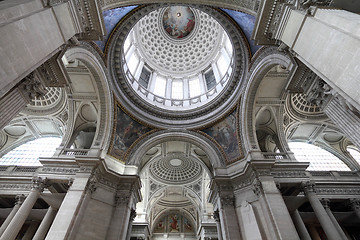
x=176, y=66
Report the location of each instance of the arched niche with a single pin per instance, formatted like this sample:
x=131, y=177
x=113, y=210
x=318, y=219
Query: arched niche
x=264, y=93
x=215, y=159
x=91, y=103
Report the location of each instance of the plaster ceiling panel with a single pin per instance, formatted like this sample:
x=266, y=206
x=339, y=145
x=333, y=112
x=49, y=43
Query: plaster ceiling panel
x=88, y=113
x=332, y=137
x=15, y=130
x=272, y=86
x=304, y=131
x=176, y=146
x=81, y=83
x=45, y=126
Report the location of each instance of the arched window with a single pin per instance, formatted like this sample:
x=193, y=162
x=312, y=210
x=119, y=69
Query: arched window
x=320, y=159
x=354, y=153
x=28, y=154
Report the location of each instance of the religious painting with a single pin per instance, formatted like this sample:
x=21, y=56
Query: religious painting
x=187, y=225
x=127, y=131
x=178, y=21
x=174, y=220
x=225, y=134
x=160, y=226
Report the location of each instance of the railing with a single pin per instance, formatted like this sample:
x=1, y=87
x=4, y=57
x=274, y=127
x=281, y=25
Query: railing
x=276, y=156
x=177, y=102
x=75, y=152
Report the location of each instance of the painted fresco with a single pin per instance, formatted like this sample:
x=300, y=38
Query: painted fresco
x=187, y=225
x=174, y=221
x=247, y=24
x=127, y=131
x=160, y=226
x=178, y=21
x=225, y=134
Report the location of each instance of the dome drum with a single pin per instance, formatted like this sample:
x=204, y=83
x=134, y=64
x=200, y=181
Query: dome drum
x=179, y=82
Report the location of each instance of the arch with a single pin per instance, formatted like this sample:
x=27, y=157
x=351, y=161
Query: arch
x=249, y=7
x=88, y=55
x=214, y=155
x=267, y=58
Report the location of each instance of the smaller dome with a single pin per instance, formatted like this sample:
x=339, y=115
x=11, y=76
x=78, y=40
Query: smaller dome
x=178, y=21
x=175, y=168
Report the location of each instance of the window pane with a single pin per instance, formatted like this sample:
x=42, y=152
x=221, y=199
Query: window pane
x=320, y=159
x=194, y=87
x=160, y=86
x=354, y=153
x=210, y=79
x=222, y=65
x=133, y=63
x=28, y=154
x=177, y=90
x=144, y=77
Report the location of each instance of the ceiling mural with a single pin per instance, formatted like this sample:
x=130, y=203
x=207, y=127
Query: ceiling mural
x=126, y=132
x=178, y=21
x=225, y=133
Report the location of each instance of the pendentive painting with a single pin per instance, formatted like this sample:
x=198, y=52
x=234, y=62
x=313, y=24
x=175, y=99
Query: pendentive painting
x=225, y=134
x=126, y=132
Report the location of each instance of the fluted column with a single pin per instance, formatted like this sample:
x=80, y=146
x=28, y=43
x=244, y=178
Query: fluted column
x=355, y=204
x=300, y=226
x=345, y=118
x=70, y=209
x=45, y=224
x=31, y=230
x=121, y=215
x=19, y=199
x=218, y=225
x=20, y=217
x=222, y=197
x=326, y=203
x=321, y=214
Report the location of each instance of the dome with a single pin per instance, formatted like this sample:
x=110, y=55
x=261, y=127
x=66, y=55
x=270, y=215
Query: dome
x=175, y=168
x=177, y=62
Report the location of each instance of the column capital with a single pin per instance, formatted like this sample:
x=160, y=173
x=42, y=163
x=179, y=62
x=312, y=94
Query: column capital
x=132, y=215
x=39, y=183
x=308, y=187
x=227, y=200
x=91, y=185
x=257, y=188
x=19, y=199
x=32, y=87
x=122, y=198
x=355, y=203
x=325, y=202
x=216, y=216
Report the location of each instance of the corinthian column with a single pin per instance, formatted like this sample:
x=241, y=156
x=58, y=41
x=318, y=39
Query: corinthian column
x=19, y=199
x=45, y=224
x=355, y=204
x=20, y=217
x=321, y=214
